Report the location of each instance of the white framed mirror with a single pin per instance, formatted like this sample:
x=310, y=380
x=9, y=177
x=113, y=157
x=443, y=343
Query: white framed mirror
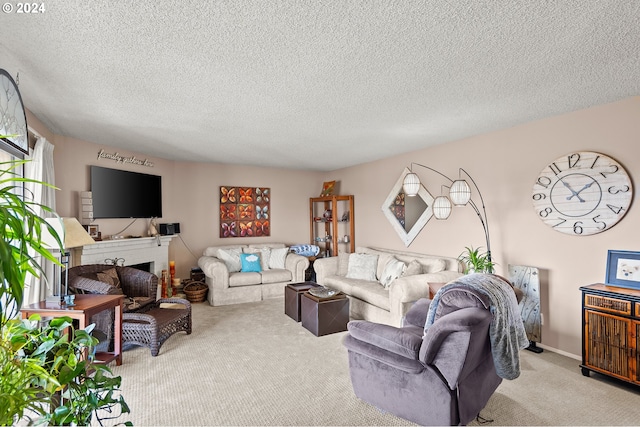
x=407, y=215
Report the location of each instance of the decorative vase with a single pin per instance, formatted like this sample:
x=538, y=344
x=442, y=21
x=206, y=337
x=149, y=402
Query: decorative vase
x=165, y=279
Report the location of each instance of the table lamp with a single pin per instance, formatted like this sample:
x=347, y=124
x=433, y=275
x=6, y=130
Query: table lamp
x=73, y=235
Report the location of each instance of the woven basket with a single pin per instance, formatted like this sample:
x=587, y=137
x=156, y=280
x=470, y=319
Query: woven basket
x=196, y=291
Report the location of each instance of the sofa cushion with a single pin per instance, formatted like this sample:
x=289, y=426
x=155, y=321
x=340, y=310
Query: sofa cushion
x=250, y=263
x=413, y=268
x=339, y=283
x=231, y=258
x=244, y=279
x=278, y=257
x=267, y=245
x=276, y=275
x=213, y=250
x=94, y=286
x=362, y=266
x=265, y=256
x=108, y=276
x=370, y=292
x=432, y=265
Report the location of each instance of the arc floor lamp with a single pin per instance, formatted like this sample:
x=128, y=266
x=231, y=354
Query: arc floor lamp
x=459, y=195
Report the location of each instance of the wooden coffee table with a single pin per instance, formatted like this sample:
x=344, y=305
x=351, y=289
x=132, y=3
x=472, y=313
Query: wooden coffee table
x=323, y=316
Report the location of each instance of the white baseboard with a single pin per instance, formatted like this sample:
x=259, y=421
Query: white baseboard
x=564, y=353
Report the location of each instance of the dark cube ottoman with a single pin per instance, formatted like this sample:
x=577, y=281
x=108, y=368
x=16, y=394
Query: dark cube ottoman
x=323, y=316
x=292, y=294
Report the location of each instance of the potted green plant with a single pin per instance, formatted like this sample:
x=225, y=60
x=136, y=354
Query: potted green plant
x=476, y=261
x=79, y=390
x=39, y=363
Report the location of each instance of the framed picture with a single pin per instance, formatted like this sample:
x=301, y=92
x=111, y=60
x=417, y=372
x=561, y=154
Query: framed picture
x=13, y=120
x=327, y=188
x=623, y=269
x=93, y=231
x=245, y=211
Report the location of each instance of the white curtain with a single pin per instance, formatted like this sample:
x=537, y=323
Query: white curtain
x=40, y=167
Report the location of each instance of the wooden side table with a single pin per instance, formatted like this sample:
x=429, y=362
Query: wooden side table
x=86, y=306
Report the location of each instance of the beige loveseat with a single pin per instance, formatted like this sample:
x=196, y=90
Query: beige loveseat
x=369, y=298
x=229, y=285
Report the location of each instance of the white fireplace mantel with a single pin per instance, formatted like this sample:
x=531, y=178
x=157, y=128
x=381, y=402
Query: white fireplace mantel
x=134, y=251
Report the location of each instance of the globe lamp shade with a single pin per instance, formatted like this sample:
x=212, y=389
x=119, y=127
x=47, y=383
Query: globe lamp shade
x=411, y=184
x=441, y=207
x=460, y=192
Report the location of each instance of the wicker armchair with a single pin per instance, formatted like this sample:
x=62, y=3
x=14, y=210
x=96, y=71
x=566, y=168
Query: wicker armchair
x=134, y=283
x=145, y=322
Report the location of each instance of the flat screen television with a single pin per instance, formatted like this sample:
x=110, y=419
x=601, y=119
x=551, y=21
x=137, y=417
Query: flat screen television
x=124, y=194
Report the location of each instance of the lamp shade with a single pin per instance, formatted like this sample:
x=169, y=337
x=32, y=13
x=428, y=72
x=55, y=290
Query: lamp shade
x=47, y=239
x=441, y=207
x=411, y=184
x=460, y=192
x=74, y=234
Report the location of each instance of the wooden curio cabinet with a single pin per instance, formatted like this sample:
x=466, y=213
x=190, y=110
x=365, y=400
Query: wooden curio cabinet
x=332, y=227
x=611, y=326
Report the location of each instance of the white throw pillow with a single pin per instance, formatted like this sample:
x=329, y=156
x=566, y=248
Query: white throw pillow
x=265, y=256
x=362, y=266
x=433, y=266
x=278, y=257
x=413, y=268
x=392, y=271
x=231, y=258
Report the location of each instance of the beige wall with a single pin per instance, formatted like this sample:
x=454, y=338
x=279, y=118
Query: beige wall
x=190, y=197
x=504, y=164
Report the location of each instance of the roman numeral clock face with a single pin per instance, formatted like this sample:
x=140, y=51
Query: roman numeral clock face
x=582, y=193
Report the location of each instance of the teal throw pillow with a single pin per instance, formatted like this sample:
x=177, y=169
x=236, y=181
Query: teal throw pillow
x=250, y=263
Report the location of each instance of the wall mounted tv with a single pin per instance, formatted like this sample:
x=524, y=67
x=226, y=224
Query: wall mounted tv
x=124, y=194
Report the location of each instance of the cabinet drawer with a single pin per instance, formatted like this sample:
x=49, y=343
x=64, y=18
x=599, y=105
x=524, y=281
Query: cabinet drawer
x=612, y=305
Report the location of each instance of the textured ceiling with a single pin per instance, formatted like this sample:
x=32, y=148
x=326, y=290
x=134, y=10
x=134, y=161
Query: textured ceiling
x=313, y=84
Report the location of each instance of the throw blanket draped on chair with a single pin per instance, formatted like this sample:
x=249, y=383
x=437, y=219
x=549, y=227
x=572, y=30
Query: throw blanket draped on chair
x=506, y=332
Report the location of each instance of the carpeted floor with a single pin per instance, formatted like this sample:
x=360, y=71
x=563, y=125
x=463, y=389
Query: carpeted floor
x=250, y=364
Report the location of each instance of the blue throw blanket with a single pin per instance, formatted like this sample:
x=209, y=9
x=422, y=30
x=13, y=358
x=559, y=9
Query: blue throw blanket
x=506, y=332
x=305, y=250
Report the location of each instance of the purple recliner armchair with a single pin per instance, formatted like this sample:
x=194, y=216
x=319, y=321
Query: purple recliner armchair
x=443, y=375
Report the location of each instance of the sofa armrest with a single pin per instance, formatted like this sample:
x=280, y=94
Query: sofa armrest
x=215, y=270
x=412, y=288
x=297, y=265
x=325, y=267
x=368, y=346
x=386, y=337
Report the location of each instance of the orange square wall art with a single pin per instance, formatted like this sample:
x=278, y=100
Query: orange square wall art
x=244, y=211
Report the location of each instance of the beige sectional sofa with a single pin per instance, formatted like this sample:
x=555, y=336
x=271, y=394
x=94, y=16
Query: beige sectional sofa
x=382, y=284
x=229, y=285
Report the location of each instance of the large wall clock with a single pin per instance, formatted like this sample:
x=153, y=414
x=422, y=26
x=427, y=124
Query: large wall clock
x=582, y=193
x=13, y=121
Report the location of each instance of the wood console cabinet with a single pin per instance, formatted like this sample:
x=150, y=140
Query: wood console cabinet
x=611, y=327
x=331, y=221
